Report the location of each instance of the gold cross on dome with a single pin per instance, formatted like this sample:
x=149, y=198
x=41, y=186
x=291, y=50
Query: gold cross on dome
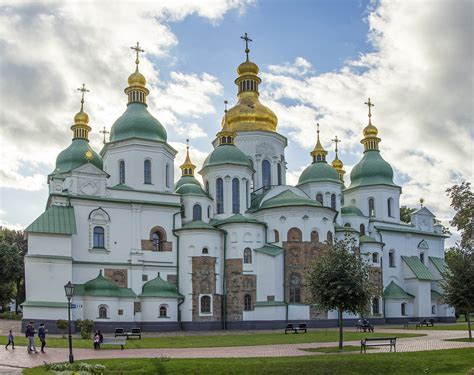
x=225, y=106
x=247, y=40
x=104, y=131
x=83, y=90
x=336, y=141
x=369, y=104
x=137, y=49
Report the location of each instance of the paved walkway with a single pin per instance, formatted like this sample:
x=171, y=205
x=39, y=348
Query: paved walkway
x=19, y=358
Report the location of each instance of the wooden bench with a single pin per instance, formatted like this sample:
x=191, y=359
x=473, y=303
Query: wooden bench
x=429, y=322
x=113, y=341
x=416, y=324
x=136, y=332
x=364, y=327
x=289, y=328
x=378, y=341
x=301, y=327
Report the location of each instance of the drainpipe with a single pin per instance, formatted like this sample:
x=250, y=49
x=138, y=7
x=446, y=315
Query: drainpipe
x=177, y=264
x=224, y=285
x=381, y=272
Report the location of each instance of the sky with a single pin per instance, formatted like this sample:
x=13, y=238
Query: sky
x=319, y=62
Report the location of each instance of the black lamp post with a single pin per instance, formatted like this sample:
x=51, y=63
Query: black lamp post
x=69, y=289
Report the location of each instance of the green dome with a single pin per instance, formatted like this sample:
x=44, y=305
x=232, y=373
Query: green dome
x=102, y=287
x=100, y=283
x=318, y=172
x=226, y=154
x=186, y=180
x=78, y=153
x=158, y=287
x=351, y=210
x=137, y=122
x=371, y=170
x=190, y=189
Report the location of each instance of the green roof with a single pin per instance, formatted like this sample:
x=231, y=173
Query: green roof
x=368, y=239
x=286, y=198
x=137, y=122
x=74, y=156
x=102, y=287
x=410, y=229
x=351, y=210
x=439, y=264
x=55, y=220
x=122, y=187
x=197, y=224
x=269, y=249
x=237, y=218
x=319, y=172
x=158, y=287
x=269, y=303
x=394, y=291
x=435, y=296
x=44, y=304
x=418, y=268
x=371, y=170
x=186, y=180
x=191, y=189
x=340, y=228
x=226, y=154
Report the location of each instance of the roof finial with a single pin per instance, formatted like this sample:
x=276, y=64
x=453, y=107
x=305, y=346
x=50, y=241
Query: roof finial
x=336, y=141
x=104, y=131
x=369, y=104
x=247, y=40
x=318, y=153
x=421, y=202
x=225, y=106
x=187, y=167
x=83, y=90
x=137, y=49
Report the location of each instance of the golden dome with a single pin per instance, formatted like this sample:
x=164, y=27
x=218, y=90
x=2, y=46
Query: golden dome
x=337, y=164
x=136, y=79
x=370, y=130
x=247, y=67
x=81, y=117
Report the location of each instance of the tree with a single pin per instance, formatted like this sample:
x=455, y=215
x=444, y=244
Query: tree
x=62, y=325
x=339, y=280
x=458, y=282
x=11, y=267
x=405, y=213
x=462, y=201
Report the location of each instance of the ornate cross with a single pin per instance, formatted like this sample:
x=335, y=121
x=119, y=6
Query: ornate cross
x=369, y=104
x=187, y=144
x=247, y=40
x=137, y=49
x=317, y=129
x=104, y=131
x=225, y=106
x=336, y=141
x=83, y=90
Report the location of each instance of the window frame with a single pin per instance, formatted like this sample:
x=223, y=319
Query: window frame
x=219, y=195
x=147, y=172
x=96, y=245
x=209, y=311
x=247, y=255
x=295, y=291
x=197, y=212
x=235, y=195
x=248, y=302
x=122, y=175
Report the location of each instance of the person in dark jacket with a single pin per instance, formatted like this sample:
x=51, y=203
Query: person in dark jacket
x=42, y=336
x=30, y=334
x=10, y=340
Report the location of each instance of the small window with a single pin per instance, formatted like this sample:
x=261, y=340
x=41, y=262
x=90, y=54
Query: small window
x=147, y=171
x=371, y=207
x=247, y=256
x=320, y=199
x=422, y=258
x=390, y=207
x=347, y=225
x=205, y=305
x=144, y=277
x=120, y=312
x=102, y=312
x=362, y=229
x=375, y=306
x=391, y=258
x=167, y=175
x=295, y=288
x=266, y=174
x=294, y=234
x=197, y=212
x=220, y=196
x=403, y=308
x=99, y=241
x=156, y=240
x=279, y=174
x=121, y=172
x=208, y=212
x=333, y=201
x=433, y=309
x=375, y=257
x=314, y=236
x=163, y=312
x=205, y=250
x=277, y=235
x=247, y=187
x=235, y=196
x=207, y=187
x=248, y=302
x=329, y=237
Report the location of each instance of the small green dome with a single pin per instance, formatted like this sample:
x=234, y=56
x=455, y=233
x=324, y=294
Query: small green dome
x=371, y=170
x=351, y=210
x=226, y=154
x=190, y=189
x=158, y=287
x=186, y=180
x=318, y=172
x=78, y=153
x=137, y=122
x=100, y=283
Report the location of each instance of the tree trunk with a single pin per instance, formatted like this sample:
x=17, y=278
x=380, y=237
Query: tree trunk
x=468, y=320
x=339, y=313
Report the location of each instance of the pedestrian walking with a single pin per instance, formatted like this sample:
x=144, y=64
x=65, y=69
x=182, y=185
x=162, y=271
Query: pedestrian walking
x=30, y=334
x=42, y=336
x=10, y=340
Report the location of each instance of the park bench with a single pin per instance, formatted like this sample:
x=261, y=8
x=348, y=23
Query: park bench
x=290, y=327
x=416, y=324
x=136, y=332
x=365, y=328
x=378, y=341
x=429, y=322
x=113, y=341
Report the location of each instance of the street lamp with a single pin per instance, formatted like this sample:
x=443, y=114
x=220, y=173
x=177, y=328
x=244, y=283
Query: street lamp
x=69, y=289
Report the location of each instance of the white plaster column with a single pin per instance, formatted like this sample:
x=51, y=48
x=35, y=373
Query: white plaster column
x=274, y=170
x=258, y=172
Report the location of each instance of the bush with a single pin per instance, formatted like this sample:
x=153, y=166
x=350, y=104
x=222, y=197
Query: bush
x=10, y=315
x=62, y=325
x=470, y=372
x=81, y=367
x=85, y=326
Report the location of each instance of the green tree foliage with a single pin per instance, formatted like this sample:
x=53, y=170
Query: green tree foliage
x=11, y=267
x=85, y=326
x=462, y=201
x=405, y=213
x=62, y=325
x=339, y=280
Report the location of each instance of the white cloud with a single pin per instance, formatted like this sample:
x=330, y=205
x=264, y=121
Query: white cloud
x=299, y=67
x=191, y=130
x=420, y=76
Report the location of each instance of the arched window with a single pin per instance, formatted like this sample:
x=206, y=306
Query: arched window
x=197, y=212
x=375, y=306
x=247, y=256
x=147, y=171
x=320, y=199
x=279, y=174
x=121, y=172
x=294, y=234
x=403, y=308
x=362, y=229
x=314, y=236
x=266, y=174
x=102, y=312
x=207, y=187
x=375, y=257
x=205, y=250
x=167, y=175
x=163, y=312
x=219, y=196
x=277, y=235
x=333, y=201
x=156, y=241
x=235, y=196
x=99, y=237
x=348, y=225
x=295, y=288
x=329, y=237
x=391, y=258
x=390, y=207
x=247, y=302
x=247, y=193
x=205, y=305
x=371, y=207
x=433, y=309
x=422, y=257
x=208, y=212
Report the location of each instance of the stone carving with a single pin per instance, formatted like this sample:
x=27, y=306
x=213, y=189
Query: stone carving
x=118, y=276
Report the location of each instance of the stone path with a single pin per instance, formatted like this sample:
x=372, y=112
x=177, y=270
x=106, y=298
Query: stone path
x=19, y=358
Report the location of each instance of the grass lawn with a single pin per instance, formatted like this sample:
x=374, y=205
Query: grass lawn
x=335, y=349
x=222, y=340
x=461, y=339
x=452, y=327
x=453, y=361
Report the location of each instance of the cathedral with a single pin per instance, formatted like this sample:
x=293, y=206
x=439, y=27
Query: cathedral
x=232, y=253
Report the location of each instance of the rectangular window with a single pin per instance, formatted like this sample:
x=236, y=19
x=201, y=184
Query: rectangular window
x=120, y=312
x=144, y=277
x=137, y=307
